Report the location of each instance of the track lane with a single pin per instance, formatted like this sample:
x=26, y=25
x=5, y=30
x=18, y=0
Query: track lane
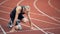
x=39, y=16
x=43, y=6
x=11, y=3
x=1, y=1
x=55, y=3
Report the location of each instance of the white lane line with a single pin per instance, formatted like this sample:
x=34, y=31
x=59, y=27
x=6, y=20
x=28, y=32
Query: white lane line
x=2, y=30
x=39, y=28
x=50, y=32
x=42, y=29
x=45, y=21
x=29, y=26
x=51, y=28
x=22, y=31
x=35, y=19
x=6, y=7
x=3, y=2
x=49, y=2
x=44, y=13
x=4, y=12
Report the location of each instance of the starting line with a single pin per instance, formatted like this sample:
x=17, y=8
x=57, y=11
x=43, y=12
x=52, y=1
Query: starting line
x=34, y=29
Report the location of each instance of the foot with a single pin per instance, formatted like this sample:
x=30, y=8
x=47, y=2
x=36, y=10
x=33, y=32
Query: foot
x=10, y=25
x=13, y=31
x=19, y=27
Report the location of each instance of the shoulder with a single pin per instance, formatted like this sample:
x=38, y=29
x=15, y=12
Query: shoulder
x=18, y=7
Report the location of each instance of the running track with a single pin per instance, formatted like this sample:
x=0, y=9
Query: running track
x=45, y=14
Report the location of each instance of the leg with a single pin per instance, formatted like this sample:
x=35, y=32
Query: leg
x=24, y=20
x=10, y=24
x=18, y=25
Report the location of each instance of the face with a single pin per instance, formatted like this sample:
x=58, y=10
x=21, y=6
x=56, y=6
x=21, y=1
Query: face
x=26, y=9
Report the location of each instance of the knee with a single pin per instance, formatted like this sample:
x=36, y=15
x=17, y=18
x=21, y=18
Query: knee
x=25, y=20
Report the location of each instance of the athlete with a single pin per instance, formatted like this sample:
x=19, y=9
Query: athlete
x=17, y=16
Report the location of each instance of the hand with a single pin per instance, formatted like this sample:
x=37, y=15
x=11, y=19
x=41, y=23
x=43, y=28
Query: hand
x=33, y=28
x=12, y=30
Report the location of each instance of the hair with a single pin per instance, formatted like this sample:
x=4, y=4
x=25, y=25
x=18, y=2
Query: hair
x=27, y=7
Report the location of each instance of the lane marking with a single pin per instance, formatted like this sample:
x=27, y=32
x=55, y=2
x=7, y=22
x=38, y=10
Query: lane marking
x=49, y=2
x=2, y=30
x=35, y=19
x=6, y=7
x=3, y=2
x=44, y=13
x=40, y=28
x=29, y=26
x=51, y=28
x=22, y=31
x=45, y=21
x=50, y=32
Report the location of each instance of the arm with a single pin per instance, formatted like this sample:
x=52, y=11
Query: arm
x=16, y=16
x=19, y=2
x=28, y=15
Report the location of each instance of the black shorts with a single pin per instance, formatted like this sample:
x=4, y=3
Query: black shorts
x=19, y=17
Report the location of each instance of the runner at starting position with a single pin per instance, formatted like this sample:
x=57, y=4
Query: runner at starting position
x=17, y=16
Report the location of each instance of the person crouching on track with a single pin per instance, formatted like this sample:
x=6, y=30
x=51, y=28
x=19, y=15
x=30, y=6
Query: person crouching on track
x=16, y=16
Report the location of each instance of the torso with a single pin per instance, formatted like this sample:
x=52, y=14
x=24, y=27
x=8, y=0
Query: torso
x=13, y=13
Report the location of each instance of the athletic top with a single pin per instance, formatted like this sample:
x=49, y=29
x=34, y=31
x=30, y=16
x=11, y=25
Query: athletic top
x=13, y=13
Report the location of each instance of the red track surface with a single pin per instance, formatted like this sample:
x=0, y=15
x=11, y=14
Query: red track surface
x=49, y=7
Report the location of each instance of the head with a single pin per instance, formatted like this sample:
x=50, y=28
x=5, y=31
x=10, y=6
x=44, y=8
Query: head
x=27, y=8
